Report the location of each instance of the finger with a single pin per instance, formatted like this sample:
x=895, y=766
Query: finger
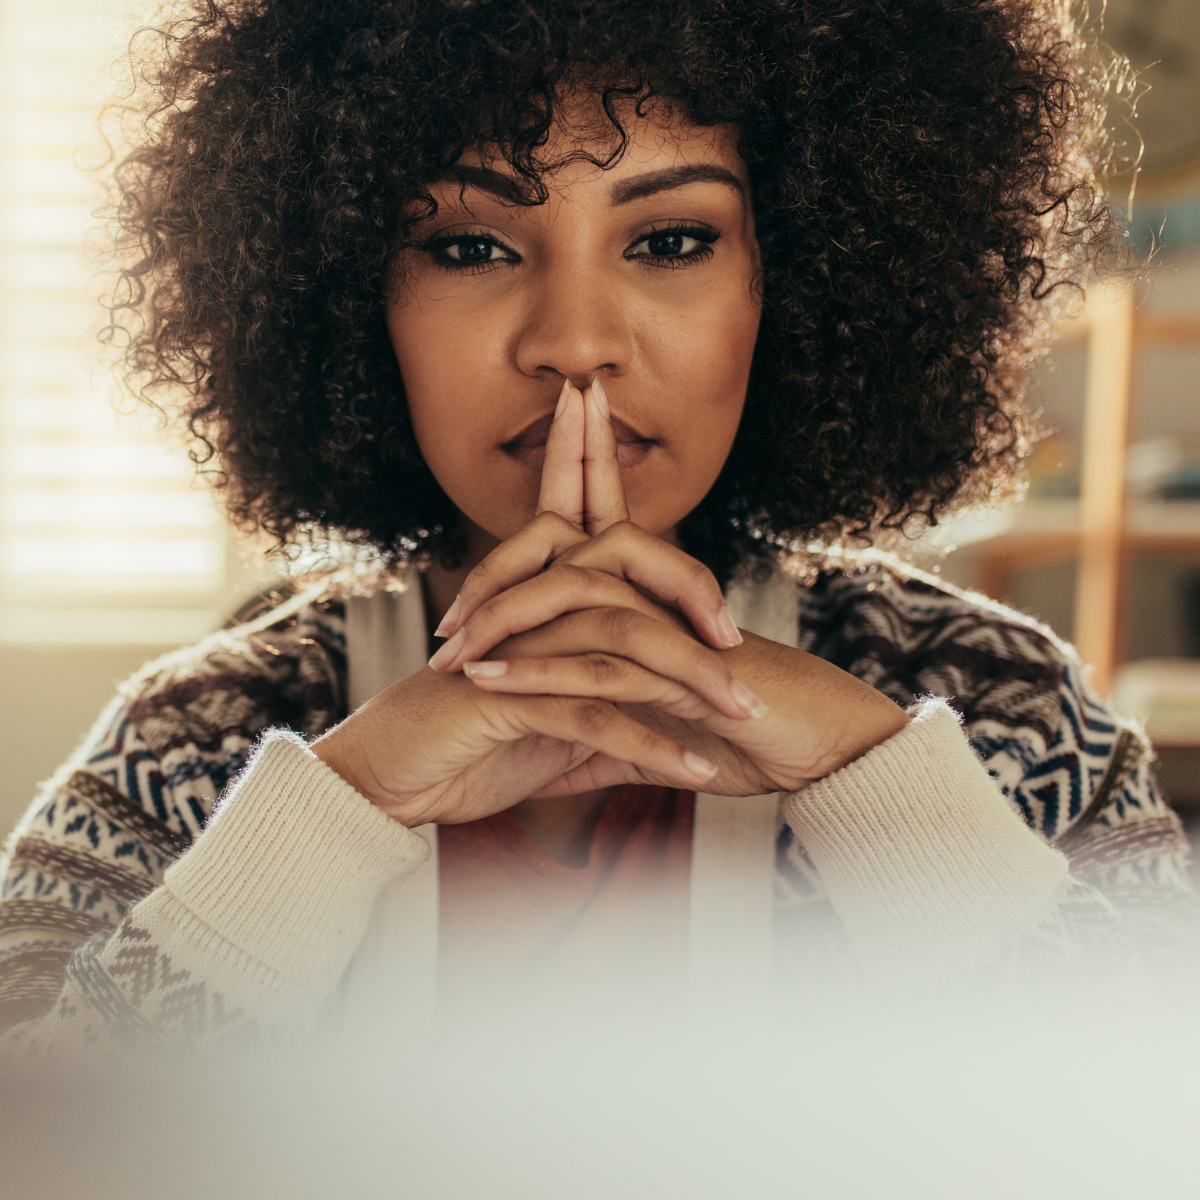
x=601, y=676
x=603, y=492
x=652, y=644
x=624, y=551
x=666, y=572
x=601, y=727
x=533, y=602
x=562, y=468
x=521, y=557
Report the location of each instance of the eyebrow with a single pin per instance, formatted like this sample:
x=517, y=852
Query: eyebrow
x=504, y=187
x=653, y=182
x=507, y=188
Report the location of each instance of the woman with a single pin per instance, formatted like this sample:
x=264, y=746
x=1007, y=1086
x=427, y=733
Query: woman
x=573, y=315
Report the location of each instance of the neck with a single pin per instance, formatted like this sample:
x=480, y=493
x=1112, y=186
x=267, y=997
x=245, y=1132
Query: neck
x=441, y=582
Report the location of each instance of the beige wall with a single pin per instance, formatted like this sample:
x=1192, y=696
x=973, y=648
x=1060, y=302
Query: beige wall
x=49, y=697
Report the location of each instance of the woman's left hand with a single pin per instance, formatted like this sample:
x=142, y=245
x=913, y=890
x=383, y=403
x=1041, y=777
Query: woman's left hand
x=605, y=619
x=812, y=718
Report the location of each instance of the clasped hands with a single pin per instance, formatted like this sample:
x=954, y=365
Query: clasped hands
x=584, y=653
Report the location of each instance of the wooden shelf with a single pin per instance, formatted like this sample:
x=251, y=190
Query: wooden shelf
x=1051, y=529
x=1044, y=532
x=1147, y=330
x=1101, y=530
x=1164, y=526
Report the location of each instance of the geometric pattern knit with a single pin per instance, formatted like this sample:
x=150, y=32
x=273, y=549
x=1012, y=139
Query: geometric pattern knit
x=103, y=831
x=1078, y=774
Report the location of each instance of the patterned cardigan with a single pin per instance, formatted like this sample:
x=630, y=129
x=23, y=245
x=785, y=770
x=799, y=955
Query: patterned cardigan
x=146, y=780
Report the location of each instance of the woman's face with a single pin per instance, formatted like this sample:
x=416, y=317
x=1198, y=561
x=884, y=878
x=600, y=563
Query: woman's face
x=644, y=274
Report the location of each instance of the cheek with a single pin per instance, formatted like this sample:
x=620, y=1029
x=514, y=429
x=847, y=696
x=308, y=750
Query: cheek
x=707, y=347
x=446, y=391
x=419, y=336
x=703, y=359
x=453, y=365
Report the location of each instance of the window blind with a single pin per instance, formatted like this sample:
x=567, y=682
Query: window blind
x=103, y=535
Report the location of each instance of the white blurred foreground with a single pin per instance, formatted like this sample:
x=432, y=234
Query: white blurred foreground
x=1033, y=1097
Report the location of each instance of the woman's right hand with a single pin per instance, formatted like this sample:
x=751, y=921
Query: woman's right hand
x=434, y=747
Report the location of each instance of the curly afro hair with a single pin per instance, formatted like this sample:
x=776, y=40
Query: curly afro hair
x=925, y=175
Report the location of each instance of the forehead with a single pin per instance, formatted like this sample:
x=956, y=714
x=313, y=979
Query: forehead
x=584, y=148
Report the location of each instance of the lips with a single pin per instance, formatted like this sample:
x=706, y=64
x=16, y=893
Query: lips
x=529, y=446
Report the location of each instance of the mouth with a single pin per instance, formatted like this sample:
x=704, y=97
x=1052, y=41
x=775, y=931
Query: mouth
x=529, y=446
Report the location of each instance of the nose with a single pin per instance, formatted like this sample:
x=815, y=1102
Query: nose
x=574, y=327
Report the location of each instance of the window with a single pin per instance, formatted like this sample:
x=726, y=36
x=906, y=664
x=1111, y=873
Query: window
x=103, y=536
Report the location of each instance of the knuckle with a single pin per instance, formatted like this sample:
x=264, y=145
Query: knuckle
x=574, y=551
x=593, y=716
x=619, y=532
x=604, y=669
x=620, y=623
x=480, y=573
x=649, y=741
x=701, y=576
x=572, y=573
x=552, y=525
x=584, y=582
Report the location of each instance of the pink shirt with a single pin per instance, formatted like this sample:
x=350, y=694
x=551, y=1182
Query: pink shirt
x=509, y=913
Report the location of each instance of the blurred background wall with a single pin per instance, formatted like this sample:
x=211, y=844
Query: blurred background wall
x=109, y=555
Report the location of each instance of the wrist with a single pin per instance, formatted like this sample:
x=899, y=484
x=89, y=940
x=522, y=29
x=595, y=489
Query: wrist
x=868, y=725
x=333, y=750
x=343, y=751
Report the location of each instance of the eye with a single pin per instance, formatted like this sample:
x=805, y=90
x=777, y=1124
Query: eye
x=473, y=250
x=464, y=250
x=675, y=245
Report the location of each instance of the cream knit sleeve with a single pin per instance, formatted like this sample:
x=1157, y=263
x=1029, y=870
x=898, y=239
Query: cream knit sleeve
x=925, y=862
x=251, y=928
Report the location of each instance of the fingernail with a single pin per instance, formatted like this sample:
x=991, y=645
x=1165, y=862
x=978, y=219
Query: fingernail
x=727, y=629
x=448, y=653
x=450, y=620
x=562, y=399
x=484, y=670
x=748, y=700
x=601, y=398
x=701, y=768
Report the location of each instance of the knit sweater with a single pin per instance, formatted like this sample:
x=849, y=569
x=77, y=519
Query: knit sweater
x=1013, y=821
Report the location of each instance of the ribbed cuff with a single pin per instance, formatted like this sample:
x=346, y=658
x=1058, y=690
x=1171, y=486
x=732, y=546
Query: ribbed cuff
x=922, y=856
x=290, y=867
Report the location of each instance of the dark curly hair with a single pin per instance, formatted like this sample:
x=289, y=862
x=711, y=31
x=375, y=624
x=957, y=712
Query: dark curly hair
x=924, y=175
